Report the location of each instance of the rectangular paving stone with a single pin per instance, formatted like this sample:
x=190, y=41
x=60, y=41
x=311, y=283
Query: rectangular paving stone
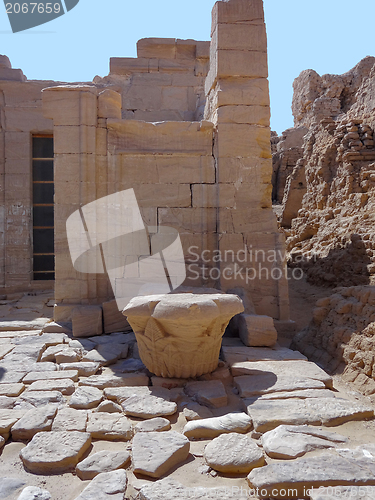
x=238, y=354
x=120, y=380
x=11, y=390
x=65, y=386
x=69, y=419
x=266, y=382
x=55, y=375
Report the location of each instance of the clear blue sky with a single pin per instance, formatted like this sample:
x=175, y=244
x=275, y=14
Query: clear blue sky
x=330, y=36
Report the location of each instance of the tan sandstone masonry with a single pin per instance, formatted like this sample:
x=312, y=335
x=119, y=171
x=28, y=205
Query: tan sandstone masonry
x=211, y=180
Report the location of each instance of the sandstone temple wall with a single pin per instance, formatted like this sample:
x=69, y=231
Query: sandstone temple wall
x=186, y=125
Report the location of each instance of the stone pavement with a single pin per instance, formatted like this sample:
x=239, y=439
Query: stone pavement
x=97, y=423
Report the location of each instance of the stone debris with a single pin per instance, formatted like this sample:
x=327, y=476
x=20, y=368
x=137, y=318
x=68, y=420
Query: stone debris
x=11, y=390
x=106, y=354
x=209, y=393
x=69, y=419
x=287, y=441
x=109, y=407
x=83, y=344
x=304, y=473
x=148, y=406
x=103, y=461
x=55, y=375
x=68, y=355
x=34, y=493
x=266, y=415
x=292, y=368
x=87, y=321
x=256, y=331
x=64, y=385
x=240, y=354
x=40, y=398
x=266, y=382
x=109, y=427
x=213, y=427
x=157, y=424
x=125, y=380
x=85, y=369
x=6, y=402
x=195, y=411
x=114, y=320
x=34, y=421
x=55, y=452
x=7, y=419
x=107, y=485
x=86, y=398
x=49, y=354
x=234, y=454
x=155, y=453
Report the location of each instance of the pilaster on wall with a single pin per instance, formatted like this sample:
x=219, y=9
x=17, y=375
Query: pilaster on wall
x=238, y=105
x=80, y=116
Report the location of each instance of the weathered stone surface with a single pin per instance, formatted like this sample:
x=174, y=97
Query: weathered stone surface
x=11, y=390
x=106, y=354
x=129, y=366
x=148, y=406
x=266, y=415
x=34, y=493
x=157, y=424
x=34, y=421
x=155, y=453
x=5, y=349
x=209, y=393
x=103, y=461
x=114, y=321
x=109, y=426
x=40, y=398
x=183, y=317
x=64, y=385
x=55, y=375
x=293, y=368
x=194, y=411
x=85, y=398
x=213, y=427
x=50, y=353
x=303, y=394
x=119, y=394
x=85, y=369
x=7, y=419
x=161, y=490
x=256, y=331
x=239, y=354
x=233, y=453
x=287, y=441
x=107, y=485
x=87, y=321
x=85, y=344
x=267, y=382
x=6, y=402
x=68, y=355
x=55, y=452
x=323, y=470
x=69, y=419
x=109, y=407
x=118, y=380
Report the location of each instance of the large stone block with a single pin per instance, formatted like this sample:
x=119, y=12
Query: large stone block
x=242, y=140
x=244, y=36
x=162, y=195
x=167, y=137
x=17, y=145
x=71, y=105
x=213, y=195
x=87, y=321
x=74, y=139
x=114, y=320
x=128, y=65
x=109, y=104
x=195, y=220
x=256, y=331
x=252, y=115
x=239, y=92
x=251, y=170
x=26, y=119
x=175, y=98
x=236, y=11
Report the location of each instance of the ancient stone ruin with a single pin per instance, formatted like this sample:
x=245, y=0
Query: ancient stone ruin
x=200, y=392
